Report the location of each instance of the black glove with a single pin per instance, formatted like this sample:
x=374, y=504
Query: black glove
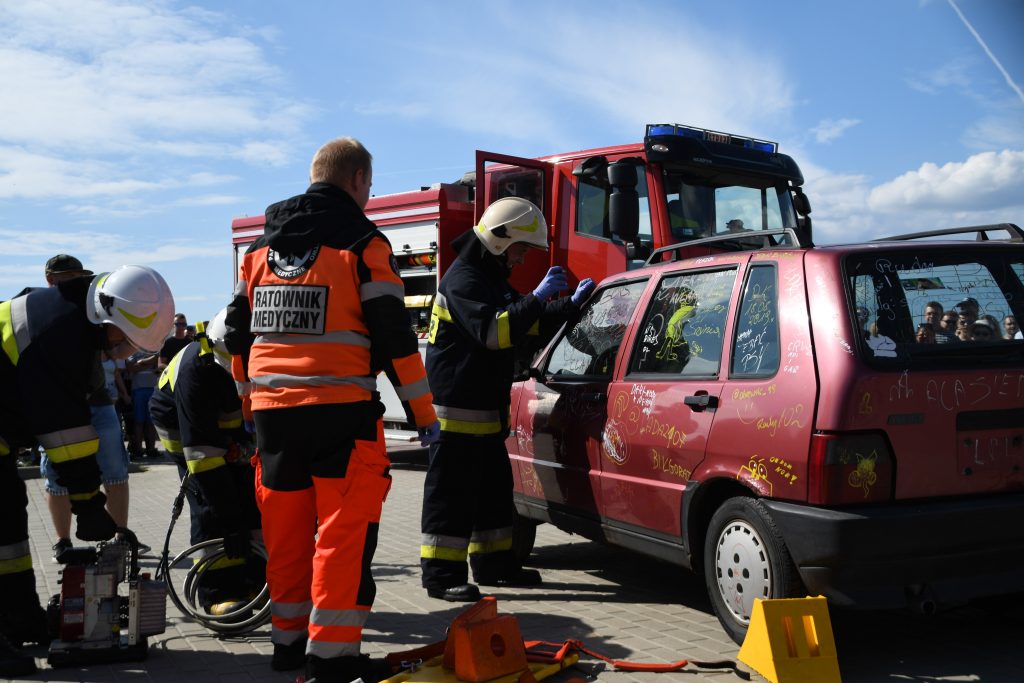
x=237, y=544
x=94, y=522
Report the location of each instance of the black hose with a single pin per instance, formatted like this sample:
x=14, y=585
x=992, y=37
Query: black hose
x=234, y=623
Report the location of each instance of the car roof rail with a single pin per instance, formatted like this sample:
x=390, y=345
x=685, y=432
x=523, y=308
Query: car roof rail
x=767, y=239
x=1015, y=233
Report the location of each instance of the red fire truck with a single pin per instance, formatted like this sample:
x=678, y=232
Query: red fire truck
x=607, y=209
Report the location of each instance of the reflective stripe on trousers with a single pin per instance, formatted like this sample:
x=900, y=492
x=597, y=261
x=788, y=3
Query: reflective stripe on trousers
x=330, y=574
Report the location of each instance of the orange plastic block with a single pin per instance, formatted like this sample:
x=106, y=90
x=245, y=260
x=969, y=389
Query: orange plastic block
x=482, y=645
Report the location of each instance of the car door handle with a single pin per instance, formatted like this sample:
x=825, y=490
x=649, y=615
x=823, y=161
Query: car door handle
x=594, y=396
x=700, y=401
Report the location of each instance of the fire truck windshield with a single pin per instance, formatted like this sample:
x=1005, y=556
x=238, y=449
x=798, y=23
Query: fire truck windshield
x=703, y=208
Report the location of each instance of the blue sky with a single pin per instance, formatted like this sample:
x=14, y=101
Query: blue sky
x=133, y=132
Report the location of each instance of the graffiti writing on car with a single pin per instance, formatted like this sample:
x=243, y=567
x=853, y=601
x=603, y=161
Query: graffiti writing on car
x=784, y=468
x=663, y=463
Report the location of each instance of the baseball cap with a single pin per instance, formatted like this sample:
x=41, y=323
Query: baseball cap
x=64, y=263
x=969, y=302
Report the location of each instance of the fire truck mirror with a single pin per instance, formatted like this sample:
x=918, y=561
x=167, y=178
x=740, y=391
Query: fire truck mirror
x=624, y=202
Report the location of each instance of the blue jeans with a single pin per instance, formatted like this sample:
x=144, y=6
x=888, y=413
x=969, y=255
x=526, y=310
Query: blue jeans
x=111, y=457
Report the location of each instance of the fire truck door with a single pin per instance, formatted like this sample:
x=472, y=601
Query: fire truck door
x=500, y=175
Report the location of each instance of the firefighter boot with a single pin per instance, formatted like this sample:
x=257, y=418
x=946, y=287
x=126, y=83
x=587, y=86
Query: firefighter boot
x=466, y=592
x=346, y=669
x=14, y=662
x=30, y=626
x=22, y=620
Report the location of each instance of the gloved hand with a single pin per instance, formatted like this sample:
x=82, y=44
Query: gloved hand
x=237, y=544
x=250, y=426
x=94, y=522
x=430, y=434
x=553, y=283
x=583, y=290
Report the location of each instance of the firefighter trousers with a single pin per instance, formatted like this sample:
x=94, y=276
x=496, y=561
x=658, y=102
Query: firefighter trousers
x=20, y=602
x=467, y=512
x=227, y=579
x=323, y=470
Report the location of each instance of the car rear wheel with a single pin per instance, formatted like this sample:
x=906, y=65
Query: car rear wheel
x=745, y=558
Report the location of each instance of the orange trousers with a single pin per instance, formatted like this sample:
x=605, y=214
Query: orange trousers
x=322, y=470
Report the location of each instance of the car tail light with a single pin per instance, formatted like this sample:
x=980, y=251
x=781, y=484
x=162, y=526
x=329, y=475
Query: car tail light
x=847, y=469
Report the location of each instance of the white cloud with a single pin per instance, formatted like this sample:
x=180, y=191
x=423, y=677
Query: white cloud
x=525, y=94
x=828, y=130
x=210, y=200
x=984, y=181
x=984, y=189
x=997, y=131
x=97, y=80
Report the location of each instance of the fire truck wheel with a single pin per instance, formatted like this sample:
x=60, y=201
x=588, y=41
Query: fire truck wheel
x=745, y=558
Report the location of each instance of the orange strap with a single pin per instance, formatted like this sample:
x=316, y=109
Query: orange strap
x=545, y=652
x=553, y=653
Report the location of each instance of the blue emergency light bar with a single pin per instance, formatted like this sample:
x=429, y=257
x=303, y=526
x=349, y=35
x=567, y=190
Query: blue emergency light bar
x=662, y=129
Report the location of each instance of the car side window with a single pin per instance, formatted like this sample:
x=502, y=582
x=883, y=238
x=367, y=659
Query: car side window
x=756, y=351
x=681, y=334
x=590, y=346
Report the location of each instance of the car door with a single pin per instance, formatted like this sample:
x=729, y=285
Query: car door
x=561, y=409
x=661, y=410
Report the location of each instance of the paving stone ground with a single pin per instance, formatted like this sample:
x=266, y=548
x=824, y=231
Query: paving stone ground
x=617, y=602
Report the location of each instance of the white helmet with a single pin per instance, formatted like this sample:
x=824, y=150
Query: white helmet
x=510, y=220
x=215, y=332
x=135, y=299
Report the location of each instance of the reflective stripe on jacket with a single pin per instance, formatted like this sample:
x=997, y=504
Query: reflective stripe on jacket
x=476, y=326
x=50, y=350
x=319, y=310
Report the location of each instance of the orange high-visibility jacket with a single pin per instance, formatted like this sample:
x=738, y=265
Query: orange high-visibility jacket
x=319, y=310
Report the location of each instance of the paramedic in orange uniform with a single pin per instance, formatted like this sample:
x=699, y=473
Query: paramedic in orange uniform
x=318, y=311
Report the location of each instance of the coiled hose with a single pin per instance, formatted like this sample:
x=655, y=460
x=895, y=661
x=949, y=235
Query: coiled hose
x=231, y=624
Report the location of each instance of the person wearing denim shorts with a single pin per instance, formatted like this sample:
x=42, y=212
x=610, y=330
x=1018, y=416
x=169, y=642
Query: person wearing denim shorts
x=112, y=459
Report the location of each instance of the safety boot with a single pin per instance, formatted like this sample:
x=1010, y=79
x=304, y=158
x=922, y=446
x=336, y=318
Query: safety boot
x=232, y=608
x=289, y=657
x=466, y=592
x=30, y=626
x=14, y=662
x=346, y=669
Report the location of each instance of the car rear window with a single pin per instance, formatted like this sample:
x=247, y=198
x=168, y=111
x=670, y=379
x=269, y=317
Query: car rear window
x=930, y=303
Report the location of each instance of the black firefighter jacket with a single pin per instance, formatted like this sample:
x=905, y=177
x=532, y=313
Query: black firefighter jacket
x=476, y=326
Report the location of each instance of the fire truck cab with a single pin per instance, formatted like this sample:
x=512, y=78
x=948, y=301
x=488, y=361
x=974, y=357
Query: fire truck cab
x=607, y=209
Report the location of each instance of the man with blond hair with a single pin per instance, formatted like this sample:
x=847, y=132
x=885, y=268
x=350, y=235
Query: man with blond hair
x=318, y=311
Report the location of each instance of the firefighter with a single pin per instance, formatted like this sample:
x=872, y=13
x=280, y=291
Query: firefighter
x=321, y=290
x=477, y=321
x=198, y=416
x=51, y=339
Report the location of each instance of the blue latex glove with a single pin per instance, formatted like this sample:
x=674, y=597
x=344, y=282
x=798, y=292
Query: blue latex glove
x=583, y=290
x=553, y=283
x=429, y=434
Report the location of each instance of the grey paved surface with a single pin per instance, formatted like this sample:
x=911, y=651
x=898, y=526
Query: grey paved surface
x=617, y=602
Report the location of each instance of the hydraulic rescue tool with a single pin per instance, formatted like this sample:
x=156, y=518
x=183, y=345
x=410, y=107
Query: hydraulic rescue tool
x=106, y=608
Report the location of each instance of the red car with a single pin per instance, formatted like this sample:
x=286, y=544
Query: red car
x=769, y=417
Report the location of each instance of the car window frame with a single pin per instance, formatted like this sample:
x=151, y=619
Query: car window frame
x=543, y=362
x=655, y=284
